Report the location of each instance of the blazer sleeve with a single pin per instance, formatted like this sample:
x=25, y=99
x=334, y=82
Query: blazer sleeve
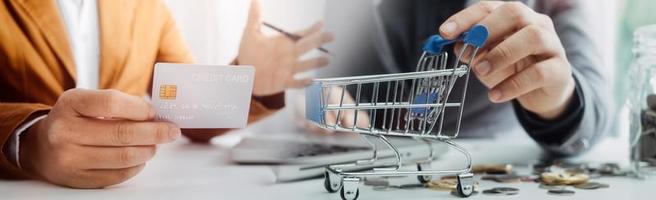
x=592, y=106
x=12, y=115
x=174, y=50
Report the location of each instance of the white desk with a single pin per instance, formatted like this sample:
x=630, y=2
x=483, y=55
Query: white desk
x=187, y=171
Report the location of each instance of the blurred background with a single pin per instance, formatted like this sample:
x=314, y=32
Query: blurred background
x=213, y=28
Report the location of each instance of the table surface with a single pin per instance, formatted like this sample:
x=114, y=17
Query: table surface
x=183, y=170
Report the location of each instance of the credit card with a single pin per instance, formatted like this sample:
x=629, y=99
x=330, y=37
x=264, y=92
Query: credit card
x=202, y=96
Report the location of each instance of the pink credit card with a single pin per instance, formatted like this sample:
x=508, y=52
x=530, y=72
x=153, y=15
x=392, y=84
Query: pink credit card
x=202, y=96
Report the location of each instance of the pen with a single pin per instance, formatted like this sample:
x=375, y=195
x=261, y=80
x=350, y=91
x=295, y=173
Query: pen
x=290, y=35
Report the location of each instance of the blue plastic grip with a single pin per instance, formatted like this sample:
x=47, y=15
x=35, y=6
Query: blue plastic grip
x=313, y=109
x=476, y=36
x=435, y=44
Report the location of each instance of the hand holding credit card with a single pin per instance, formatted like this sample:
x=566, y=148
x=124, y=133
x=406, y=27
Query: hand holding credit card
x=202, y=96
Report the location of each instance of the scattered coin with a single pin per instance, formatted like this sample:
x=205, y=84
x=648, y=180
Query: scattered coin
x=492, y=192
x=501, y=191
x=492, y=169
x=447, y=185
x=591, y=186
x=503, y=178
x=551, y=187
x=561, y=192
x=507, y=189
x=551, y=178
x=443, y=184
x=554, y=178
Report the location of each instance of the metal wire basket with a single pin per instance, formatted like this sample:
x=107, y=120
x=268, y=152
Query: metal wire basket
x=404, y=104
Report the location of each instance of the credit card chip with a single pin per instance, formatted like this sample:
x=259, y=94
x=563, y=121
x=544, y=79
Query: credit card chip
x=168, y=92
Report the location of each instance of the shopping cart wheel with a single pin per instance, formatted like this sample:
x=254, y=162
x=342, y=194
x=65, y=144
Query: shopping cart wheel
x=350, y=189
x=332, y=182
x=423, y=178
x=465, y=186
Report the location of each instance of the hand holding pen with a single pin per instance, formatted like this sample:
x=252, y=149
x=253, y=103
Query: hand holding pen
x=290, y=35
x=278, y=59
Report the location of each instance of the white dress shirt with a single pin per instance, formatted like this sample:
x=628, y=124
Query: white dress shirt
x=81, y=19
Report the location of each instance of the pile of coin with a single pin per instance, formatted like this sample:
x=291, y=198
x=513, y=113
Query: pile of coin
x=563, y=178
x=500, y=173
x=647, y=142
x=557, y=178
x=591, y=186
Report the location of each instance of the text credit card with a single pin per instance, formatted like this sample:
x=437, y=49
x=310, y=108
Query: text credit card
x=202, y=96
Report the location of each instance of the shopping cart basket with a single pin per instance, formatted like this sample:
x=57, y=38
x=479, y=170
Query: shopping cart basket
x=404, y=104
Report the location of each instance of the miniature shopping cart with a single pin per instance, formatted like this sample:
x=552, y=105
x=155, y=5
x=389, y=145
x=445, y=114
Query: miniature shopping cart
x=404, y=104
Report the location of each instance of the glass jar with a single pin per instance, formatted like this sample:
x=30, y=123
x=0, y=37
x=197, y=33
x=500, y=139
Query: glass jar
x=642, y=103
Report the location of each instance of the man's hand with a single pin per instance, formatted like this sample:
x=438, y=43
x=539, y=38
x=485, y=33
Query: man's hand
x=346, y=117
x=277, y=59
x=93, y=139
x=523, y=58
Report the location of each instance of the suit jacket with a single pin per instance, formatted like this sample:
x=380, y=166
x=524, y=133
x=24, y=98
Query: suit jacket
x=36, y=60
x=389, y=40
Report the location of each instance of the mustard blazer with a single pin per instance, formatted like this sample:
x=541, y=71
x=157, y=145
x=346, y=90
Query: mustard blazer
x=36, y=61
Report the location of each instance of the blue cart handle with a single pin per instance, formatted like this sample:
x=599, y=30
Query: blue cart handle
x=476, y=36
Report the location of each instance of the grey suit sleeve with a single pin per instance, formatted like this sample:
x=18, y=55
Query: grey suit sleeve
x=575, y=134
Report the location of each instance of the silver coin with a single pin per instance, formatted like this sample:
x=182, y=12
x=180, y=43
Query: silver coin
x=561, y=192
x=492, y=192
x=506, y=189
x=588, y=186
x=503, y=178
x=592, y=186
x=501, y=191
x=551, y=187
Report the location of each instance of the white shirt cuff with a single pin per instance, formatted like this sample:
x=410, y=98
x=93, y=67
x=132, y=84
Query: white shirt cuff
x=13, y=144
